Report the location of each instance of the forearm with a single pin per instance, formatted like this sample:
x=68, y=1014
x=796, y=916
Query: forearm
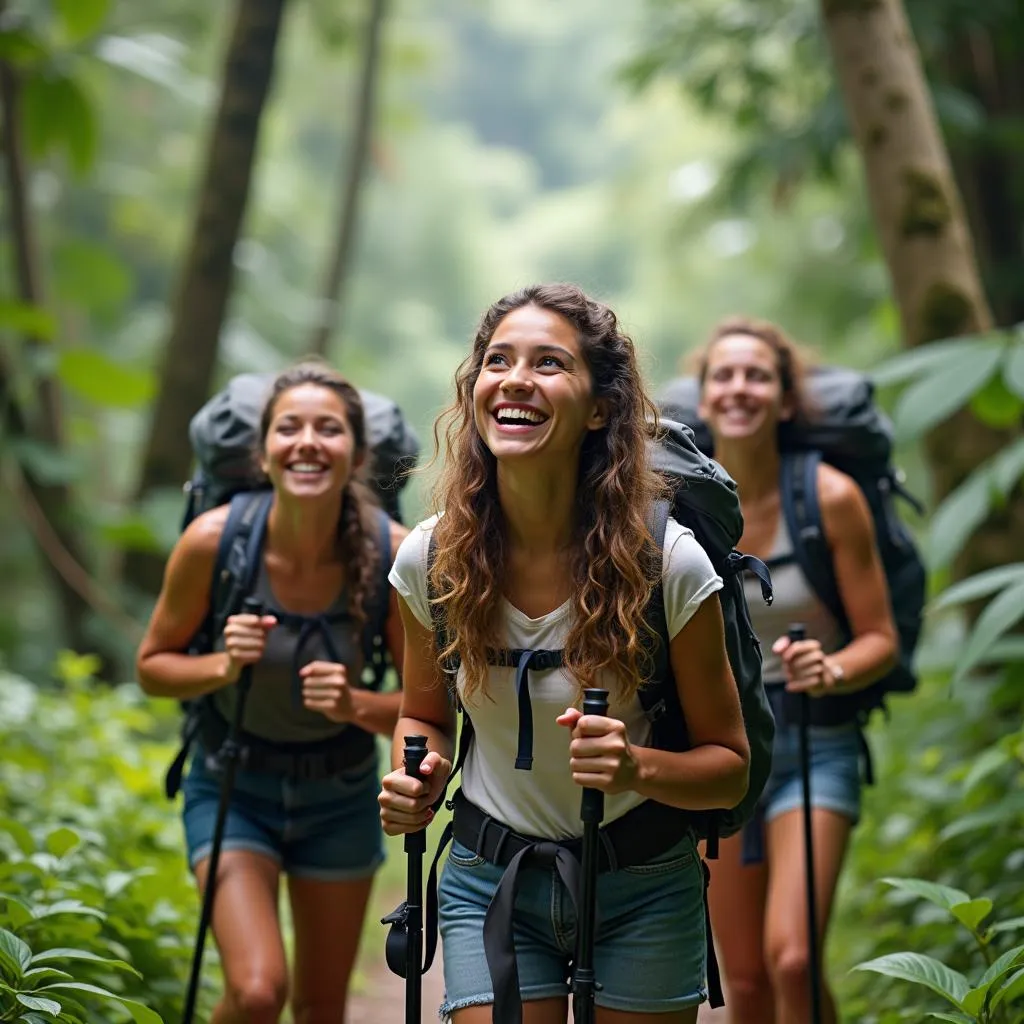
x=705, y=778
x=376, y=712
x=438, y=739
x=865, y=660
x=184, y=676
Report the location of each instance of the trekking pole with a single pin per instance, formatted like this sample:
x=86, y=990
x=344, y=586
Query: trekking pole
x=415, y=847
x=798, y=632
x=584, y=985
x=228, y=756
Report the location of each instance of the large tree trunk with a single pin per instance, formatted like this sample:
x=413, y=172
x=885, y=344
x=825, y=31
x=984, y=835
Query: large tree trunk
x=190, y=356
x=338, y=267
x=51, y=504
x=919, y=218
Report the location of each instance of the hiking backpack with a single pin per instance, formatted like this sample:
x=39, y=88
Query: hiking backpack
x=704, y=499
x=224, y=435
x=849, y=432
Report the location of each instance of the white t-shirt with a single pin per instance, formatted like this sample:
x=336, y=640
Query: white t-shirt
x=544, y=801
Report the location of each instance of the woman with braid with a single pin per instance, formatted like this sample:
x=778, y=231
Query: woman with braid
x=304, y=801
x=543, y=544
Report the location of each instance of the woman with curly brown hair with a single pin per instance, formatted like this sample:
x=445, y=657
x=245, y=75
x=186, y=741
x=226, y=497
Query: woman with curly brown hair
x=541, y=545
x=304, y=799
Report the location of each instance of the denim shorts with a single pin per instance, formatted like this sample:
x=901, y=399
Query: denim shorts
x=835, y=771
x=649, y=949
x=325, y=829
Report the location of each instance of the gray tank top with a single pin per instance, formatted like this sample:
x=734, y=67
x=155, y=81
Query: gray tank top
x=274, y=709
x=794, y=601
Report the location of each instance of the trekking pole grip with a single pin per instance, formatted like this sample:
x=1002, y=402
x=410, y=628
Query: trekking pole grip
x=797, y=631
x=413, y=753
x=595, y=702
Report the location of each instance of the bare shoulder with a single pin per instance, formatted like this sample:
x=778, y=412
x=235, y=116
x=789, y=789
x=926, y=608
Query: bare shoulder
x=201, y=537
x=843, y=505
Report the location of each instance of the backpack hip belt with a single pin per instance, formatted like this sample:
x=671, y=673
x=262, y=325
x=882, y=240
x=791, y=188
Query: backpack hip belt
x=300, y=762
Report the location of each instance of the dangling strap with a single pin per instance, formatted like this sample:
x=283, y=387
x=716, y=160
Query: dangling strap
x=499, y=938
x=715, y=996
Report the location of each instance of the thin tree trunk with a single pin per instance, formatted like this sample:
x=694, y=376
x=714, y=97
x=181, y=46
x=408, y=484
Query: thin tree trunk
x=190, y=355
x=53, y=501
x=920, y=222
x=339, y=266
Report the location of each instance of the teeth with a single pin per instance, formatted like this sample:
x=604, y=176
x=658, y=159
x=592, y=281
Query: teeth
x=525, y=415
x=305, y=467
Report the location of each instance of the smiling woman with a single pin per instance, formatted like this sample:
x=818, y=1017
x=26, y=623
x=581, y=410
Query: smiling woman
x=544, y=550
x=303, y=802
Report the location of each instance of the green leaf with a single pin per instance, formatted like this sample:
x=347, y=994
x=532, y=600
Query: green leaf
x=999, y=615
x=922, y=970
x=20, y=48
x=1010, y=990
x=93, y=376
x=49, y=465
x=1010, y=925
x=23, y=318
x=58, y=113
x=63, y=954
x=1013, y=369
x=944, y=896
x=984, y=765
x=19, y=834
x=89, y=275
x=956, y=1018
x=972, y=913
x=994, y=815
x=960, y=513
x=1007, y=467
x=34, y=1018
x=996, y=405
x=81, y=18
x=1003, y=965
x=925, y=359
x=935, y=398
x=16, y=911
x=61, y=840
x=36, y=974
x=15, y=953
x=140, y=1014
x=72, y=907
x=50, y=1006
x=980, y=585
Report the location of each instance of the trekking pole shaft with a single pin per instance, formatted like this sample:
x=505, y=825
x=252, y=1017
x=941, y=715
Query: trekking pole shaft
x=415, y=846
x=797, y=632
x=230, y=753
x=584, y=984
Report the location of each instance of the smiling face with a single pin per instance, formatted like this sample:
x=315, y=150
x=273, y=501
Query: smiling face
x=742, y=396
x=309, y=449
x=534, y=393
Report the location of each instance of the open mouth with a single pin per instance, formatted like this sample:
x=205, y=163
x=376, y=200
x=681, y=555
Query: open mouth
x=307, y=468
x=518, y=417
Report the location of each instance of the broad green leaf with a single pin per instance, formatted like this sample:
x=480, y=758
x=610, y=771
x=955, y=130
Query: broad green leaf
x=925, y=359
x=990, y=761
x=15, y=911
x=72, y=907
x=15, y=953
x=1000, y=614
x=57, y=112
x=1007, y=467
x=49, y=465
x=34, y=975
x=972, y=913
x=35, y=1018
x=1003, y=965
x=140, y=1014
x=82, y=18
x=62, y=954
x=23, y=318
x=996, y=405
x=1010, y=991
x=955, y=1018
x=944, y=896
x=1010, y=925
x=961, y=512
x=20, y=47
x=1013, y=369
x=922, y=970
x=132, y=533
x=980, y=585
x=61, y=840
x=50, y=1006
x=935, y=398
x=93, y=376
x=19, y=834
x=997, y=814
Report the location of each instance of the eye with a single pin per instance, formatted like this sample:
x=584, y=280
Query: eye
x=494, y=359
x=332, y=427
x=548, y=362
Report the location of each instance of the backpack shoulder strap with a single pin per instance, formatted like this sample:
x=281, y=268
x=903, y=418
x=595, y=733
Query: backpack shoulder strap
x=802, y=511
x=652, y=693
x=374, y=645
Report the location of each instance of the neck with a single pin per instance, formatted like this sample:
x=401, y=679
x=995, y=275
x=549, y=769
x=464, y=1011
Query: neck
x=538, y=508
x=754, y=465
x=304, y=533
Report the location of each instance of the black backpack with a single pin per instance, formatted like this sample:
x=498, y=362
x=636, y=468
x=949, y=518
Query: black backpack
x=705, y=500
x=223, y=434
x=849, y=432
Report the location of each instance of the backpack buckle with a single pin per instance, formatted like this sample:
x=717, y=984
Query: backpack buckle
x=656, y=711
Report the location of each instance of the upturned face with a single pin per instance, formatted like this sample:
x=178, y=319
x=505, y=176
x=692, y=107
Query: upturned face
x=534, y=397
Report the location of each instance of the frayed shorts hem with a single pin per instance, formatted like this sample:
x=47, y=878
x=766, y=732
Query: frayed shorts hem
x=527, y=995
x=626, y=1005
x=818, y=803
x=312, y=872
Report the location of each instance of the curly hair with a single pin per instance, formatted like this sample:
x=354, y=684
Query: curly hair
x=791, y=360
x=357, y=526
x=613, y=560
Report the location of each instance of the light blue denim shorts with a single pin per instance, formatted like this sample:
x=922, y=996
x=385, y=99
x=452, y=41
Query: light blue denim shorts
x=835, y=771
x=649, y=949
x=324, y=829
